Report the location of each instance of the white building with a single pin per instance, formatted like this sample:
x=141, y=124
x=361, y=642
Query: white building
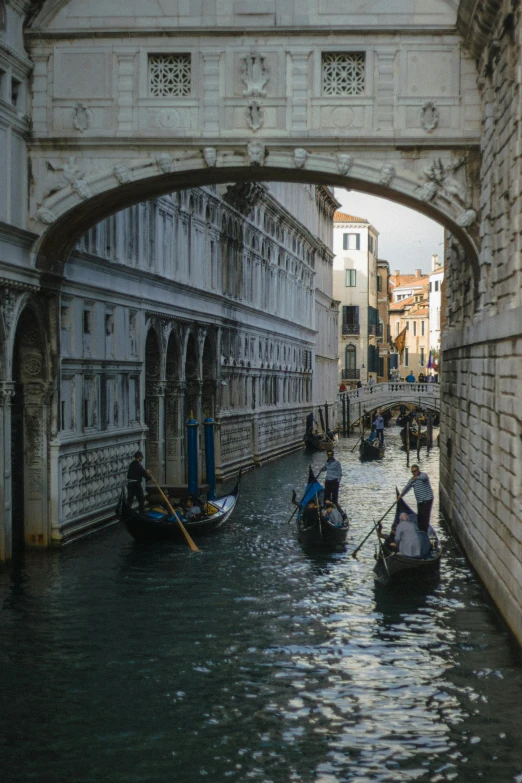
x=435, y=304
x=355, y=286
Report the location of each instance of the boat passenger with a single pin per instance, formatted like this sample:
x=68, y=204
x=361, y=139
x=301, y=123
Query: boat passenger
x=373, y=437
x=192, y=511
x=310, y=515
x=332, y=514
x=406, y=538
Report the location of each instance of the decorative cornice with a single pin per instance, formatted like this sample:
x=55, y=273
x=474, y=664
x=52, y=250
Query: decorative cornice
x=476, y=21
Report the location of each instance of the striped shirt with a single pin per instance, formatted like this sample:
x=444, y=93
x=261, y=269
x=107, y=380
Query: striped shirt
x=421, y=487
x=333, y=470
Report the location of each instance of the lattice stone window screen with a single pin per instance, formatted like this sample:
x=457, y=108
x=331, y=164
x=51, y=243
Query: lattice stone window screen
x=343, y=73
x=169, y=74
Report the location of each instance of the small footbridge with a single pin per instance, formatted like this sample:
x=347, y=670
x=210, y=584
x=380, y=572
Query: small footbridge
x=358, y=402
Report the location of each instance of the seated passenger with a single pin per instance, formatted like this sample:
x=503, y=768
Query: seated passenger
x=310, y=515
x=332, y=514
x=406, y=538
x=372, y=436
x=192, y=511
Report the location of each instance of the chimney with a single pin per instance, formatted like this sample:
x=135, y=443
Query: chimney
x=396, y=273
x=435, y=263
x=418, y=273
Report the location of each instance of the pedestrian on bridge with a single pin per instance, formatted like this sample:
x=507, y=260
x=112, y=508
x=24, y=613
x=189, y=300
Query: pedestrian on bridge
x=423, y=495
x=410, y=378
x=334, y=473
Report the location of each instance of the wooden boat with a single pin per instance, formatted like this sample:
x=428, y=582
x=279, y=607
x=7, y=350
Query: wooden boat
x=392, y=567
x=319, y=442
x=322, y=533
x=415, y=436
x=158, y=525
x=373, y=450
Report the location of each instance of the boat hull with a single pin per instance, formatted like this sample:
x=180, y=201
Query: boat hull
x=325, y=535
x=395, y=568
x=367, y=451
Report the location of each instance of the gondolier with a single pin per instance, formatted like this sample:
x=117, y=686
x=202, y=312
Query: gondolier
x=135, y=474
x=423, y=495
x=334, y=473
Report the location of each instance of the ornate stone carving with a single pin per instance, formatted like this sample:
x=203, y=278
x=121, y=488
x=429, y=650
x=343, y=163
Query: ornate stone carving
x=244, y=196
x=300, y=158
x=164, y=162
x=82, y=117
x=255, y=74
x=73, y=176
x=429, y=116
x=344, y=162
x=7, y=308
x=467, y=218
x=122, y=173
x=255, y=115
x=3, y=15
x=256, y=152
x=210, y=156
x=45, y=215
x=387, y=174
x=441, y=180
x=427, y=192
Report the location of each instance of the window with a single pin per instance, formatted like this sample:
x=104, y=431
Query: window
x=373, y=359
x=436, y=285
x=379, y=283
x=350, y=357
x=407, y=326
x=351, y=241
x=351, y=276
x=415, y=328
x=373, y=322
x=87, y=321
x=406, y=357
x=15, y=91
x=343, y=73
x=350, y=322
x=422, y=328
x=370, y=243
x=431, y=287
x=169, y=75
x=421, y=360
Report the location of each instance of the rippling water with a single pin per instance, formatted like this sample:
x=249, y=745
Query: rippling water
x=255, y=661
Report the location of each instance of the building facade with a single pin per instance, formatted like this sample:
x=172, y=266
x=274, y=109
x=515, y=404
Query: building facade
x=355, y=286
x=436, y=308
x=383, y=307
x=409, y=316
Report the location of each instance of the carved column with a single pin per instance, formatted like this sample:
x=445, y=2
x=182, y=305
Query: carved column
x=299, y=115
x=155, y=407
x=7, y=391
x=384, y=104
x=175, y=433
x=125, y=91
x=39, y=113
x=210, y=93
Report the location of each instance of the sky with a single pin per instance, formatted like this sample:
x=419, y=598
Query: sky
x=407, y=239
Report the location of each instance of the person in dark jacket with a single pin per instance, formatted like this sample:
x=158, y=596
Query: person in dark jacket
x=310, y=515
x=135, y=474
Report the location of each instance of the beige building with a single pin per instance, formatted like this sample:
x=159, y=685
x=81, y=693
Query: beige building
x=383, y=303
x=409, y=312
x=355, y=286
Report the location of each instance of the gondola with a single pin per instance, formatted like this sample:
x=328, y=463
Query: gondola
x=392, y=567
x=373, y=450
x=158, y=525
x=415, y=437
x=318, y=442
x=321, y=533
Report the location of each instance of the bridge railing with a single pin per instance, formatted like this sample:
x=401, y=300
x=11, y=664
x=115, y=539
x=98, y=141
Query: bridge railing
x=358, y=402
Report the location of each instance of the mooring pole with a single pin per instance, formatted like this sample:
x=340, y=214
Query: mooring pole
x=343, y=403
x=210, y=461
x=192, y=449
x=408, y=444
x=326, y=418
x=347, y=416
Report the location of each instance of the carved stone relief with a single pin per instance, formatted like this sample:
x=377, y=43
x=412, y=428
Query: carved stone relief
x=44, y=215
x=255, y=115
x=164, y=162
x=467, y=218
x=82, y=117
x=255, y=74
x=387, y=174
x=7, y=307
x=441, y=182
x=429, y=116
x=344, y=162
x=256, y=152
x=210, y=156
x=122, y=173
x=71, y=175
x=300, y=158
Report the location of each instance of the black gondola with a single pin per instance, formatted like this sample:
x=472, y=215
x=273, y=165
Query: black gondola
x=373, y=450
x=415, y=436
x=158, y=525
x=319, y=442
x=392, y=567
x=321, y=533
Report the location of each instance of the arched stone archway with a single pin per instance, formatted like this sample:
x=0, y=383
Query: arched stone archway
x=174, y=412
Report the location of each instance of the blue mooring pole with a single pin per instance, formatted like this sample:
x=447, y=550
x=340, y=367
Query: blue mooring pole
x=192, y=448
x=210, y=462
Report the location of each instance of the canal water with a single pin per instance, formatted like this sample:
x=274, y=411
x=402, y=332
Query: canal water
x=255, y=660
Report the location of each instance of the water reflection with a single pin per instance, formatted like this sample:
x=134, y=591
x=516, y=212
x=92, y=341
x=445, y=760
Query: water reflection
x=255, y=660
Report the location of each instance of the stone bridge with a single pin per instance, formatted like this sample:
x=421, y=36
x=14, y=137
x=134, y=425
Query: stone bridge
x=385, y=395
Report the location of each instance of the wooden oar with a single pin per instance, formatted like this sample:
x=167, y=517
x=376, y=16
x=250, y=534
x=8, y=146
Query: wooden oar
x=360, y=439
x=190, y=542
x=375, y=527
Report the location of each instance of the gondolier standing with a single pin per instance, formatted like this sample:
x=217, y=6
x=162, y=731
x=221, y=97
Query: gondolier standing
x=135, y=474
x=334, y=473
x=423, y=495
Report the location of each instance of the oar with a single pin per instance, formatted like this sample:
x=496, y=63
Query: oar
x=375, y=527
x=360, y=439
x=190, y=542
x=294, y=501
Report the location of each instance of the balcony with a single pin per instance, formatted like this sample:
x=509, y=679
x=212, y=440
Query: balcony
x=375, y=330
x=351, y=329
x=351, y=375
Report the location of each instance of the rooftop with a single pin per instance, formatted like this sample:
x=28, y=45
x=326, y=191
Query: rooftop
x=342, y=217
x=396, y=306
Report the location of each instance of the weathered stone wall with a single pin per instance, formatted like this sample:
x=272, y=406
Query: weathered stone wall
x=481, y=435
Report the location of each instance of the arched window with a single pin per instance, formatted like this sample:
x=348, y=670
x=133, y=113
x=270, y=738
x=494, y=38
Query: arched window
x=350, y=358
